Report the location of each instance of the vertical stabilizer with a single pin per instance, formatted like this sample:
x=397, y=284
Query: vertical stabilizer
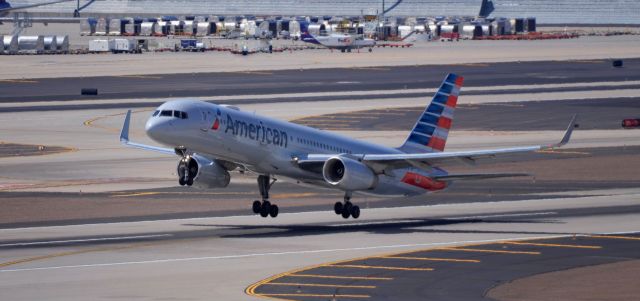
x=430, y=132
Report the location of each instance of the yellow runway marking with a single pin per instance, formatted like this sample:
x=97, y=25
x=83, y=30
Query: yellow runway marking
x=550, y=245
x=339, y=277
x=320, y=285
x=489, y=251
x=432, y=259
x=90, y=122
x=377, y=267
x=18, y=81
x=314, y=295
x=136, y=194
x=614, y=237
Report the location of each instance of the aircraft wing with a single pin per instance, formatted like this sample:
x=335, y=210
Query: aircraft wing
x=379, y=162
x=8, y=9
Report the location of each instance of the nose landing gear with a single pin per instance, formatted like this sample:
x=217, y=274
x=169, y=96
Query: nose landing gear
x=265, y=208
x=346, y=209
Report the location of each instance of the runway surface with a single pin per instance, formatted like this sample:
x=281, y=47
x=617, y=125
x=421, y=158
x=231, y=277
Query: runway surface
x=100, y=221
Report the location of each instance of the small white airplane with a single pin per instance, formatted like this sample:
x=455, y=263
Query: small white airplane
x=6, y=8
x=212, y=140
x=344, y=42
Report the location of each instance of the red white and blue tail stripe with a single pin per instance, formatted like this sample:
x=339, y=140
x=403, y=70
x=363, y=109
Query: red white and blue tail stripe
x=430, y=132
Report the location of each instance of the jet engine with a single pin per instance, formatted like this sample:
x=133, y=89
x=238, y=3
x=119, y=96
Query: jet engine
x=202, y=173
x=348, y=174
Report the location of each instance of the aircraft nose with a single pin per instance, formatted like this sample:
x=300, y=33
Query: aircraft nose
x=153, y=128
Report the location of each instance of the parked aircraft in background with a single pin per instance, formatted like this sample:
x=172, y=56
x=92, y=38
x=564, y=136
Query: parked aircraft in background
x=344, y=42
x=6, y=8
x=212, y=140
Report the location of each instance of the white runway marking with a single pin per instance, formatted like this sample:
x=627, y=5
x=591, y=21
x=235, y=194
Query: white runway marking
x=170, y=260
x=36, y=243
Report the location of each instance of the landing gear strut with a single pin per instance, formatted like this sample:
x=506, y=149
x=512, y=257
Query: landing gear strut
x=346, y=209
x=265, y=208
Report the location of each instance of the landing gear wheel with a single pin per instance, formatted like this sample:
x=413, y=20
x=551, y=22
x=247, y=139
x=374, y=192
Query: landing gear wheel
x=346, y=210
x=370, y=49
x=348, y=50
x=189, y=181
x=257, y=206
x=181, y=181
x=273, y=211
x=337, y=208
x=265, y=209
x=355, y=211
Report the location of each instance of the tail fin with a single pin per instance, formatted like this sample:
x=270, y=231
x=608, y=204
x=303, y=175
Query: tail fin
x=430, y=132
x=307, y=37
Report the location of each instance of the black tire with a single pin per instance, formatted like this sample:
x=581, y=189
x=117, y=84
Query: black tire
x=370, y=49
x=337, y=208
x=346, y=213
x=181, y=181
x=189, y=181
x=355, y=211
x=265, y=209
x=257, y=206
x=273, y=211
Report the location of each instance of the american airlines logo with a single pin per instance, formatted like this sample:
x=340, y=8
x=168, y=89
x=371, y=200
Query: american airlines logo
x=256, y=131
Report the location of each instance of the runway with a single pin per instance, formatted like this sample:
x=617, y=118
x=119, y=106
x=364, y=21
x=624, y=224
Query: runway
x=99, y=221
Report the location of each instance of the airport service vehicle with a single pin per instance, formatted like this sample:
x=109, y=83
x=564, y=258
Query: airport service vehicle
x=213, y=139
x=5, y=7
x=125, y=46
x=101, y=46
x=344, y=42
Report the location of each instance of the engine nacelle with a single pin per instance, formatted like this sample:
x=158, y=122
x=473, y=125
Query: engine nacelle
x=202, y=173
x=348, y=174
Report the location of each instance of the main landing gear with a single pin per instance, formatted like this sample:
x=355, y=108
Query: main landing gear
x=265, y=208
x=346, y=209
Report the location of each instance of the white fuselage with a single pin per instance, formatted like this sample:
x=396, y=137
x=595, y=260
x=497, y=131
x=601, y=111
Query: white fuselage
x=262, y=144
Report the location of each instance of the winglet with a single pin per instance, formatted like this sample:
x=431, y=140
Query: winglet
x=567, y=134
x=124, y=134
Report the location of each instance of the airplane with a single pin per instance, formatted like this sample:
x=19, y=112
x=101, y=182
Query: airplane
x=344, y=42
x=6, y=8
x=213, y=139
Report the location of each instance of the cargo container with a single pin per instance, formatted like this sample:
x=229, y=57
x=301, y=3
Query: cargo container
x=115, y=27
x=203, y=29
x=50, y=44
x=102, y=27
x=531, y=24
x=1, y=44
x=62, y=42
x=10, y=44
x=96, y=46
x=468, y=31
x=519, y=25
x=161, y=29
x=87, y=26
x=31, y=44
x=147, y=28
x=125, y=46
x=189, y=28
x=176, y=27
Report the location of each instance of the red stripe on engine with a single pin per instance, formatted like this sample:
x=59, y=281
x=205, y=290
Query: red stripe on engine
x=444, y=122
x=436, y=143
x=452, y=101
x=423, y=182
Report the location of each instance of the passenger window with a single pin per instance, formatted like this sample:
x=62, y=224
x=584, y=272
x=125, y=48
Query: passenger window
x=156, y=113
x=165, y=113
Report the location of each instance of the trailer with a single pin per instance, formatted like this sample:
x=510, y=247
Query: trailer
x=191, y=45
x=125, y=46
x=101, y=46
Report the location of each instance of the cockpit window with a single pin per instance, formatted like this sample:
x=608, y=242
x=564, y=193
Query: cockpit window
x=156, y=113
x=176, y=114
x=166, y=113
x=184, y=115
